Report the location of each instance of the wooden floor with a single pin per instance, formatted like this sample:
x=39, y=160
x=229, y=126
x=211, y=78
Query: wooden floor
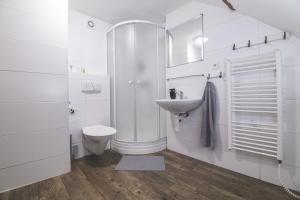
x=94, y=178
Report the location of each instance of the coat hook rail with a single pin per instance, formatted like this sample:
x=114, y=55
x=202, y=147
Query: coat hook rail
x=266, y=41
x=220, y=75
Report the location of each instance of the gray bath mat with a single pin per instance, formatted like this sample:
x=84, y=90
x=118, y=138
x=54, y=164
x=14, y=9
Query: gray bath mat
x=141, y=163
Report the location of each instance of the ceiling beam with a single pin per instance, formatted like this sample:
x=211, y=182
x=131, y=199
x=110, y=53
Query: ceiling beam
x=229, y=5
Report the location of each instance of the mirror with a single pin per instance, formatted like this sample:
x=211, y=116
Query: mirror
x=186, y=42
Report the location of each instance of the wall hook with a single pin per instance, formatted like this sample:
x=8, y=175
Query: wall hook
x=266, y=39
x=208, y=76
x=221, y=75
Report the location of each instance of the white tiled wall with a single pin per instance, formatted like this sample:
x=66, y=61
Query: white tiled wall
x=34, y=91
x=87, y=47
x=90, y=109
x=223, y=28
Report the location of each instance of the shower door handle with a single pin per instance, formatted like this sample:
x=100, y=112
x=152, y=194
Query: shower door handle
x=130, y=82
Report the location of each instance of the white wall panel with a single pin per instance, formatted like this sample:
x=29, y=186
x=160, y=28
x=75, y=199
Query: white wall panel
x=87, y=47
x=42, y=8
x=32, y=146
x=291, y=116
x=25, y=87
x=34, y=91
x=98, y=112
x=75, y=129
x=21, y=175
x=29, y=27
x=290, y=80
x=90, y=108
x=18, y=55
x=23, y=118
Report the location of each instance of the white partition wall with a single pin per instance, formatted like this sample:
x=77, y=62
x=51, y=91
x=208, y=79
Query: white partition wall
x=136, y=64
x=34, y=142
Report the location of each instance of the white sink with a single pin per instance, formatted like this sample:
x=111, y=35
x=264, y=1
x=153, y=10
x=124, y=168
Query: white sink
x=178, y=106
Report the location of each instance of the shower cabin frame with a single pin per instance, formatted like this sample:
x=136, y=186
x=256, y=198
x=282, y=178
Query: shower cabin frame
x=136, y=147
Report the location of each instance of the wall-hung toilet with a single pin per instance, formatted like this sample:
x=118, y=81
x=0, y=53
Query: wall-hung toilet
x=96, y=138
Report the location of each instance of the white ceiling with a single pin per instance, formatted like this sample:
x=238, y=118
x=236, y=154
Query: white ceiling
x=283, y=14
x=114, y=11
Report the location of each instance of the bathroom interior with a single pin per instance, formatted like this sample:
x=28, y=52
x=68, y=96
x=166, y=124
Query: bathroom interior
x=149, y=100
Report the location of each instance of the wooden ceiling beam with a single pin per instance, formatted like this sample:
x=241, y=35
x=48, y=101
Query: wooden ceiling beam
x=229, y=5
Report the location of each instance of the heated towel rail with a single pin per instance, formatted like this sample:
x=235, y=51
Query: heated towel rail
x=254, y=102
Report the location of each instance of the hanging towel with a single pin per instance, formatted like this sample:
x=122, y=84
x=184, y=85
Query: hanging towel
x=208, y=131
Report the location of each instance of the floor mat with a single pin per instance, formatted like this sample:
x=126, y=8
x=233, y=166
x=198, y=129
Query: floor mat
x=141, y=163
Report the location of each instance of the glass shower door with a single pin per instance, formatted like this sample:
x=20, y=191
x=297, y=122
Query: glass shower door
x=125, y=83
x=146, y=73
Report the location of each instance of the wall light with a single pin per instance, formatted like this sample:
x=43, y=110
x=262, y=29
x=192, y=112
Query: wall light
x=199, y=40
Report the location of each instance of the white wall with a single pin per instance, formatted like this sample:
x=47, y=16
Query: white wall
x=90, y=109
x=34, y=91
x=87, y=47
x=223, y=28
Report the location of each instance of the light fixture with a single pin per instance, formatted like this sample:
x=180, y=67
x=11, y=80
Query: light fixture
x=199, y=40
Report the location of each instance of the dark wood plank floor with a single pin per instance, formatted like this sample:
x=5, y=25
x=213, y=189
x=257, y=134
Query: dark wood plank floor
x=94, y=178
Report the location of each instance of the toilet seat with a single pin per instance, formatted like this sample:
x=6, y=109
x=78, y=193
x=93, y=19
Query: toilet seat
x=98, y=130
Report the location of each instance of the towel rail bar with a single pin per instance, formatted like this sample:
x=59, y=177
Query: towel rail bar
x=255, y=136
x=256, y=152
x=208, y=76
x=256, y=127
x=255, y=111
x=255, y=148
x=256, y=144
x=254, y=94
x=256, y=124
x=254, y=61
x=255, y=140
x=254, y=132
x=254, y=70
x=254, y=66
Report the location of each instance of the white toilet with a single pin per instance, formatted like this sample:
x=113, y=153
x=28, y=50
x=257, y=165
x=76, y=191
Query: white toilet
x=96, y=138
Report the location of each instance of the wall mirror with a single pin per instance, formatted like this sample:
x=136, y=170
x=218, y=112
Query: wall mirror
x=186, y=42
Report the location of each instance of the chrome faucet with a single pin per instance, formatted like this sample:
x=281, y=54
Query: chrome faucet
x=179, y=93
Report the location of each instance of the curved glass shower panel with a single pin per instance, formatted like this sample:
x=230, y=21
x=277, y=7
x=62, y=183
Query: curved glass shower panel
x=147, y=85
x=111, y=70
x=161, y=64
x=125, y=82
x=136, y=63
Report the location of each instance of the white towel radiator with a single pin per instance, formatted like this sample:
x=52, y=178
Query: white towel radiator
x=254, y=102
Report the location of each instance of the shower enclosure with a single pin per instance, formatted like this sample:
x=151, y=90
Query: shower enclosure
x=136, y=65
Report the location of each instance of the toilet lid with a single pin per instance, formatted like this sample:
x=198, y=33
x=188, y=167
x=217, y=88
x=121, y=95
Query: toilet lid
x=98, y=130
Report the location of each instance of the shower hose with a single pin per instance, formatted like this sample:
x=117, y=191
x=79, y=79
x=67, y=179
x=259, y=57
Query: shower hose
x=283, y=184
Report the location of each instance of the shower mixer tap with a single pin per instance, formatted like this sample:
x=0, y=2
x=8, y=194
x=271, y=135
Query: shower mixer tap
x=130, y=82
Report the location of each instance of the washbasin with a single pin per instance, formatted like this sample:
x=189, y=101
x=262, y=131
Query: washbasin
x=178, y=106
